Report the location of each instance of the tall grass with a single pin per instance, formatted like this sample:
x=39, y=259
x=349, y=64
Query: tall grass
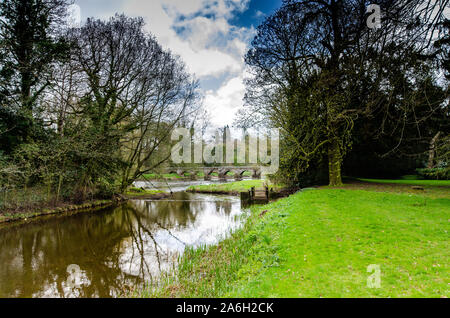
x=206, y=271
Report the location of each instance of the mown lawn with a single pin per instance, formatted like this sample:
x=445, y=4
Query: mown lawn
x=231, y=187
x=443, y=183
x=153, y=176
x=319, y=243
x=136, y=192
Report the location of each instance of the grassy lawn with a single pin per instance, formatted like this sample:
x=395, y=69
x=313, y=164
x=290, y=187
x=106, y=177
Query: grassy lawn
x=165, y=176
x=441, y=183
x=136, y=192
x=430, y=191
x=319, y=243
x=231, y=187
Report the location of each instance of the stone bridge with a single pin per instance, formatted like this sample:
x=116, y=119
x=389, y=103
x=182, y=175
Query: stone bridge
x=222, y=171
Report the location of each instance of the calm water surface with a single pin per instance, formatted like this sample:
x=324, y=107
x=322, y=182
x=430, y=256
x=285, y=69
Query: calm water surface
x=110, y=251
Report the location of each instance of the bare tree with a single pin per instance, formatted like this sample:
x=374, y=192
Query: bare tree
x=135, y=92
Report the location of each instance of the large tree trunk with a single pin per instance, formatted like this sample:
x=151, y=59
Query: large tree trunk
x=432, y=151
x=334, y=163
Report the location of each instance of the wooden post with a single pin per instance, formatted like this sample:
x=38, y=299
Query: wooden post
x=245, y=196
x=267, y=193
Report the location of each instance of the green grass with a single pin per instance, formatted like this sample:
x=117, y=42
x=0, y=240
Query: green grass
x=412, y=182
x=231, y=187
x=165, y=176
x=319, y=243
x=411, y=177
x=142, y=192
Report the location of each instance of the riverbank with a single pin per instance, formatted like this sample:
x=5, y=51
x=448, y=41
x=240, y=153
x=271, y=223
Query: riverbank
x=232, y=188
x=8, y=217
x=321, y=243
x=132, y=193
x=144, y=194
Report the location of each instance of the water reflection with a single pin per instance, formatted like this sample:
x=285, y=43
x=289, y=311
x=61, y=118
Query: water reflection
x=116, y=249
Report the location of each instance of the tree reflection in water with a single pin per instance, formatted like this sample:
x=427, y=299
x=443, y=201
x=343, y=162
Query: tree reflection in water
x=116, y=249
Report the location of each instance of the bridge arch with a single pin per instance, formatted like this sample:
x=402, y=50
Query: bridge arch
x=238, y=171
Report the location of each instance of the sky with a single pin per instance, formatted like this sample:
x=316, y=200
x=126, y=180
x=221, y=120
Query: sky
x=211, y=36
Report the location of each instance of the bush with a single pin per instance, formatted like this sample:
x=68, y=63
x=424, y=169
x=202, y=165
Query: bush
x=105, y=190
x=291, y=175
x=442, y=173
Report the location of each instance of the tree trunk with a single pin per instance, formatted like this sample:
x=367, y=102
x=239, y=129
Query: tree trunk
x=334, y=163
x=432, y=151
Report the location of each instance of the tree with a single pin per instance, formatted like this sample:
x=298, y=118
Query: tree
x=29, y=45
x=134, y=93
x=316, y=68
x=85, y=111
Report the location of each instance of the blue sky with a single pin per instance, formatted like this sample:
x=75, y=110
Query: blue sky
x=211, y=36
x=254, y=15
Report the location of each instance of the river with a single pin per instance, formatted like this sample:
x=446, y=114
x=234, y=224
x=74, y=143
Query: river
x=109, y=252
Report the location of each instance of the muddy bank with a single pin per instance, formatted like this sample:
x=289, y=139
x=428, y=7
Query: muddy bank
x=12, y=216
x=8, y=217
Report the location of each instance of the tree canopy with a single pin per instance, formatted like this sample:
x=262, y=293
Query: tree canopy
x=317, y=69
x=85, y=111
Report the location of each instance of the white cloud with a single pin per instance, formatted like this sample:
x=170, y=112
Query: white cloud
x=196, y=44
x=447, y=12
x=183, y=7
x=259, y=14
x=74, y=17
x=225, y=102
x=200, y=33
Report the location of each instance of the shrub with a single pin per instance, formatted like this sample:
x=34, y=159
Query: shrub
x=441, y=173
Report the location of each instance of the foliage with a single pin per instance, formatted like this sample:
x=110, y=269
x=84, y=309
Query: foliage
x=317, y=71
x=435, y=173
x=137, y=91
x=29, y=46
x=84, y=111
